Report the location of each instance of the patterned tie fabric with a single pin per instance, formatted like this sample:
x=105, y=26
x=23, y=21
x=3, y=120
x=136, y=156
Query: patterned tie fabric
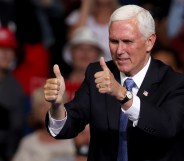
x=122, y=151
x=129, y=84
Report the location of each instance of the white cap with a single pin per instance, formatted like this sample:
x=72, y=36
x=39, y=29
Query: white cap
x=82, y=35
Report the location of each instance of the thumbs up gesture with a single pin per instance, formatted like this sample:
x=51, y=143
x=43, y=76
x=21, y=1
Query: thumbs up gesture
x=54, y=88
x=106, y=83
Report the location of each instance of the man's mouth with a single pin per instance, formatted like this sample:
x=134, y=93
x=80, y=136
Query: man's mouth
x=122, y=60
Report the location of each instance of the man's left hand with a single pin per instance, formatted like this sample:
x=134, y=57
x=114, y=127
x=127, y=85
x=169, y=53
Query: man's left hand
x=106, y=83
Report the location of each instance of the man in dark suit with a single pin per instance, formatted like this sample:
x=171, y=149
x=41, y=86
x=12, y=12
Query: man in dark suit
x=133, y=104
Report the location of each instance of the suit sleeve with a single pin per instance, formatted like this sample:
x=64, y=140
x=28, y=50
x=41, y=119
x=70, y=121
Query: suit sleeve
x=78, y=110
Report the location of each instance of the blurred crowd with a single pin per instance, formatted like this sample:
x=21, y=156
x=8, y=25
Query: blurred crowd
x=35, y=35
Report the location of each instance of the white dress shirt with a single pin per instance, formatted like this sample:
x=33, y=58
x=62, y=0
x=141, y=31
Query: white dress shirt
x=55, y=126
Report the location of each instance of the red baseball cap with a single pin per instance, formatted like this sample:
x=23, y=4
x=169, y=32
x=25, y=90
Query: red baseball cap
x=7, y=38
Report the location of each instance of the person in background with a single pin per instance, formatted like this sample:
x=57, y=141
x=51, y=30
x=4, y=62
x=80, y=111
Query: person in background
x=134, y=104
x=84, y=49
x=95, y=15
x=39, y=145
x=11, y=96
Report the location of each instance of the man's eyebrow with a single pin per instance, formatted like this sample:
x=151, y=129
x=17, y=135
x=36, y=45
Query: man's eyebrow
x=112, y=38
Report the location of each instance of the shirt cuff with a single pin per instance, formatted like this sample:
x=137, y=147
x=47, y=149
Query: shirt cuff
x=134, y=110
x=55, y=126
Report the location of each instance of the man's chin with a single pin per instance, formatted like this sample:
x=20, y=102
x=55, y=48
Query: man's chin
x=123, y=67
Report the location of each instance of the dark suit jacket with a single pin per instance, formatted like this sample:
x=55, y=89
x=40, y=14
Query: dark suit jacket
x=160, y=124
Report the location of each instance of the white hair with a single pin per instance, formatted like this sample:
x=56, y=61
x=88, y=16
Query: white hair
x=145, y=21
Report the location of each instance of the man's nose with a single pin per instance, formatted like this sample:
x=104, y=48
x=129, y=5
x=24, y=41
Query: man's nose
x=121, y=47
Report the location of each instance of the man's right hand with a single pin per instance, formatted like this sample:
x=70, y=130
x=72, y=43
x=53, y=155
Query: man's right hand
x=54, y=90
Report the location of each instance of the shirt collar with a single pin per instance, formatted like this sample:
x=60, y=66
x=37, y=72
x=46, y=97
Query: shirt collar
x=138, y=78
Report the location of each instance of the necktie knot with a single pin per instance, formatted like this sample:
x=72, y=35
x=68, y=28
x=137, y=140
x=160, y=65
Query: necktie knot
x=129, y=84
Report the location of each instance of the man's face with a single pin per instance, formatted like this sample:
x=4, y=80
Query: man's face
x=83, y=54
x=129, y=49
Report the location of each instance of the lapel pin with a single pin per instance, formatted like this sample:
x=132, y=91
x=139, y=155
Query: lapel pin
x=145, y=93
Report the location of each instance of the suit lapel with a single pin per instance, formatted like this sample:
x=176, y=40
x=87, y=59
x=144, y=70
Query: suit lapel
x=150, y=81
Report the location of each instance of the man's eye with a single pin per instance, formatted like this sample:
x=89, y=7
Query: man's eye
x=127, y=41
x=113, y=41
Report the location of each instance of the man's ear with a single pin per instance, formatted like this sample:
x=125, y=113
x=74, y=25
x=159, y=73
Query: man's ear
x=150, y=42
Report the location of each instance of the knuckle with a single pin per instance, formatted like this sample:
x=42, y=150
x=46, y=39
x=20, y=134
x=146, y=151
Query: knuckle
x=56, y=81
x=95, y=75
x=56, y=93
x=56, y=87
x=45, y=86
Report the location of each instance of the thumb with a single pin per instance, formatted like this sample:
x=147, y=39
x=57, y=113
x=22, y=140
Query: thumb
x=57, y=71
x=103, y=64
